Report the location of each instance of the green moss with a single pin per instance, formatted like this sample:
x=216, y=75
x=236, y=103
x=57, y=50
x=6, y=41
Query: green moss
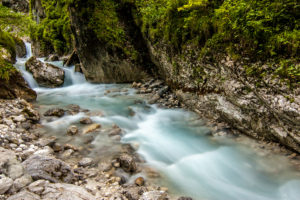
x=6, y=69
x=54, y=32
x=105, y=23
x=7, y=41
x=17, y=23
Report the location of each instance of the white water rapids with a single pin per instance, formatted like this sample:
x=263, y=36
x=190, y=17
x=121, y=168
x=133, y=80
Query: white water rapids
x=172, y=141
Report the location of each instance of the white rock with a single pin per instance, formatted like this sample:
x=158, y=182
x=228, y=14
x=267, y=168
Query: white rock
x=22, y=182
x=5, y=184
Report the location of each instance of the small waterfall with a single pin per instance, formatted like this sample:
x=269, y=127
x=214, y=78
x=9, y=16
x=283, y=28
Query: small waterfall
x=71, y=77
x=20, y=64
x=28, y=50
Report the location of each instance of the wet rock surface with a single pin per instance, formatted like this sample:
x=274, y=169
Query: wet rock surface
x=55, y=112
x=16, y=87
x=47, y=75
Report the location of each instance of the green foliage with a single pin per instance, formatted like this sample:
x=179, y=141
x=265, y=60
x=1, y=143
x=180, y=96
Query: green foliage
x=17, y=23
x=54, y=31
x=105, y=23
x=289, y=69
x=262, y=28
x=259, y=29
x=7, y=41
x=6, y=69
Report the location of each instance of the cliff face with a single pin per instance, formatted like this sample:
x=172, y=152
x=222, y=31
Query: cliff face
x=102, y=62
x=262, y=108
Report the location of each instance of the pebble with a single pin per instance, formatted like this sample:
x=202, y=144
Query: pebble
x=140, y=181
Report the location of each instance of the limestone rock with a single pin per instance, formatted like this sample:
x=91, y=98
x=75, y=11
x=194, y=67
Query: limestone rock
x=72, y=130
x=85, y=162
x=154, y=195
x=24, y=195
x=47, y=75
x=5, y=184
x=48, y=168
x=86, y=120
x=22, y=182
x=127, y=163
x=91, y=128
x=55, y=112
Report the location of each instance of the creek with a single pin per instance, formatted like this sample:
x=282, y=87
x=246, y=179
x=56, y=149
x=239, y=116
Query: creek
x=175, y=142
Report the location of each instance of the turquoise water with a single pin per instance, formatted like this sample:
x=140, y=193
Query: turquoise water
x=173, y=141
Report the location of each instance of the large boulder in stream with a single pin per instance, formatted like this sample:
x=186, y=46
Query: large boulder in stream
x=47, y=75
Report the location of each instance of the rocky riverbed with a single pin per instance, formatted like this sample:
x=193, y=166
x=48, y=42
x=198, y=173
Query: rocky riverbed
x=35, y=166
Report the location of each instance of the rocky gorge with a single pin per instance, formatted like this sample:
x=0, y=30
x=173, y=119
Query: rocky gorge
x=86, y=137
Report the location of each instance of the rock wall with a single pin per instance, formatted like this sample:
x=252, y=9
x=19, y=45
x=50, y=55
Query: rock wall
x=101, y=63
x=263, y=108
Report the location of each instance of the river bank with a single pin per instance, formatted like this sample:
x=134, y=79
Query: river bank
x=157, y=92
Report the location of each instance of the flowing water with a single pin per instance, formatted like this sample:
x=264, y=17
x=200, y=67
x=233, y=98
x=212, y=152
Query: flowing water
x=174, y=142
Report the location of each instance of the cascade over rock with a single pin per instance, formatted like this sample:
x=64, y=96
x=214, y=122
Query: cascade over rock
x=45, y=74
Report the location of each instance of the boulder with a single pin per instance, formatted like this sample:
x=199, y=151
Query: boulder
x=57, y=191
x=73, y=109
x=5, y=184
x=48, y=168
x=9, y=165
x=72, y=130
x=127, y=163
x=24, y=195
x=85, y=162
x=86, y=120
x=22, y=182
x=17, y=5
x=16, y=87
x=55, y=112
x=91, y=128
x=47, y=75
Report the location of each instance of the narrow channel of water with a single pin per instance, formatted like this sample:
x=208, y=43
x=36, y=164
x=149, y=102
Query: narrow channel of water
x=173, y=141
